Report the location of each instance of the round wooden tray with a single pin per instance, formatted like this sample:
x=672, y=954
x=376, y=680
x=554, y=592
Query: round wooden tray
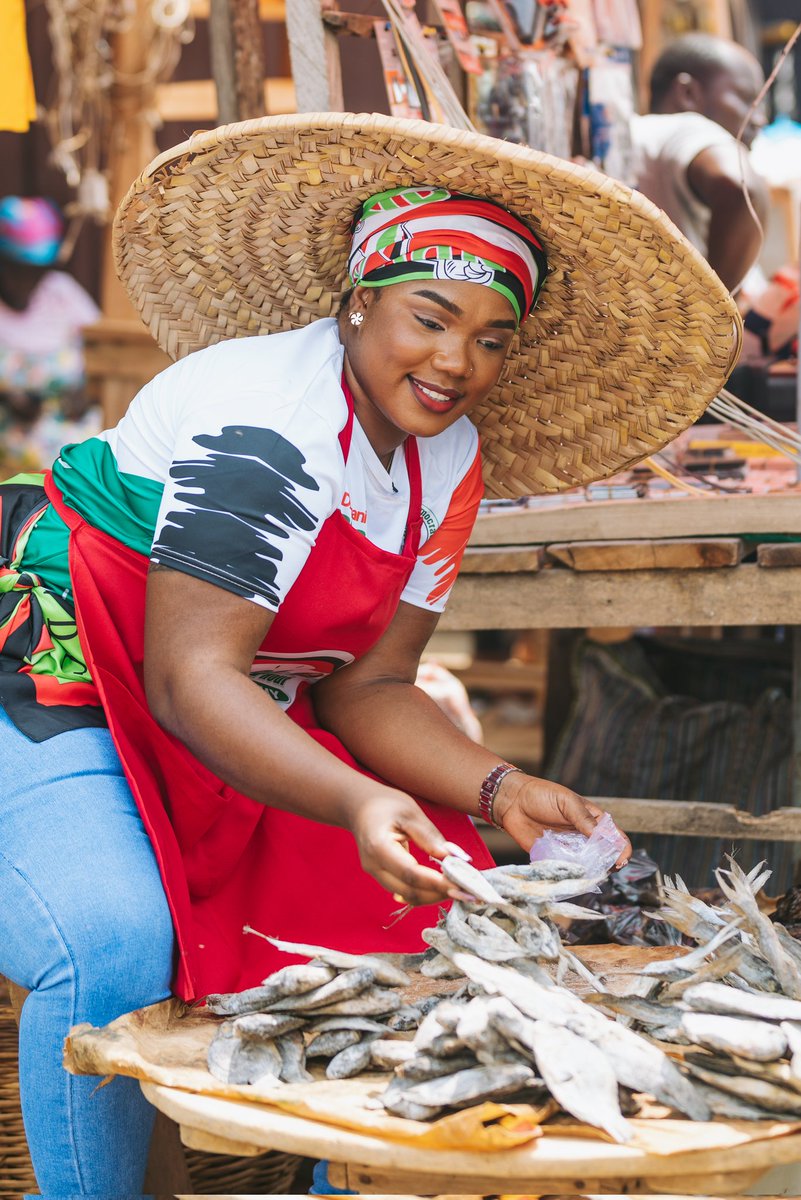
x=550, y=1164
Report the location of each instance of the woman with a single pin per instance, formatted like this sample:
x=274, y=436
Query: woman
x=256, y=556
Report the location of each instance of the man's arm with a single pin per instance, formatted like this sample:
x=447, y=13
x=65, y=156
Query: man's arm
x=716, y=176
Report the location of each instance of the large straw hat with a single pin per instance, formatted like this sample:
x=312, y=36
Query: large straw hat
x=246, y=229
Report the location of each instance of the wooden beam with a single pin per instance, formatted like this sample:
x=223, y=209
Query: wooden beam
x=221, y=43
x=196, y=99
x=658, y=554
x=269, y=10
x=779, y=554
x=485, y=560
x=314, y=55
x=602, y=520
x=744, y=595
x=690, y=818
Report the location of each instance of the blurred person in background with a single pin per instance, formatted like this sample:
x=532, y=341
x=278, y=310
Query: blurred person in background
x=688, y=160
x=43, y=310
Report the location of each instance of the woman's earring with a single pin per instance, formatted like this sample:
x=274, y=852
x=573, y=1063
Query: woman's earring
x=356, y=318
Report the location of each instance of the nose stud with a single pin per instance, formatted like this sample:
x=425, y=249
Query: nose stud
x=356, y=318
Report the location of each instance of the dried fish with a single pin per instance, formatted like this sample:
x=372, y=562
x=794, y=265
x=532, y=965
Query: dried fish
x=395, y=1100
x=723, y=1104
x=748, y=1038
x=580, y=1078
x=293, y=1058
x=233, y=1059
x=793, y=1034
x=426, y=1066
x=266, y=1026
x=390, y=1054
x=351, y=1061
x=686, y=964
x=406, y=1018
x=384, y=969
x=479, y=935
x=327, y=1045
x=469, y=880
x=737, y=888
x=726, y=963
x=363, y=1024
x=730, y=1001
x=439, y=967
x=636, y=1008
x=752, y=1091
x=476, y=1031
x=289, y=981
x=344, y=986
x=374, y=1002
x=475, y=1083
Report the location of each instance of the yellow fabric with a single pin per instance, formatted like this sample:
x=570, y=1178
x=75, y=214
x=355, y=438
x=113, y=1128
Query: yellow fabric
x=17, y=100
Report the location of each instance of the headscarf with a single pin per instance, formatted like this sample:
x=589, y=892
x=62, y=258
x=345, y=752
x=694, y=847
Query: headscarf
x=30, y=230
x=424, y=233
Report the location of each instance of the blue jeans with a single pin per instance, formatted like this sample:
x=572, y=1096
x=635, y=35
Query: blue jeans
x=84, y=924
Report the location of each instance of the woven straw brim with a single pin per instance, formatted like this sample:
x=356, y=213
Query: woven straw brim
x=246, y=230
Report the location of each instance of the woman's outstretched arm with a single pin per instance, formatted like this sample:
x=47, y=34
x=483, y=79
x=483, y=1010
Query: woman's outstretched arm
x=397, y=731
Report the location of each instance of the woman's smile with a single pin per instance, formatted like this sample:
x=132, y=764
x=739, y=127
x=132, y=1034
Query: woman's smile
x=435, y=399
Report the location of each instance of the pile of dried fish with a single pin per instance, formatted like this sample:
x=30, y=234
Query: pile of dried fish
x=512, y=1032
x=326, y=1008
x=735, y=999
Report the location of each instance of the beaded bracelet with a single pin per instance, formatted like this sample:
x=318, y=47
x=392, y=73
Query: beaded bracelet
x=489, y=791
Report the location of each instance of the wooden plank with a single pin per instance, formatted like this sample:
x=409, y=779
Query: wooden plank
x=269, y=10
x=314, y=54
x=659, y=554
x=602, y=520
x=368, y=1181
x=779, y=554
x=196, y=99
x=691, y=818
x=489, y=560
x=744, y=595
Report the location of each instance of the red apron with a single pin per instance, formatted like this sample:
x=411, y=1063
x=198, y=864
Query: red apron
x=226, y=860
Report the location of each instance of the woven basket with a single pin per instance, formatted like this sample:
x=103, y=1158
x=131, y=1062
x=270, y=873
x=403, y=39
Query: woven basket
x=269, y=1174
x=212, y=1174
x=16, y=1172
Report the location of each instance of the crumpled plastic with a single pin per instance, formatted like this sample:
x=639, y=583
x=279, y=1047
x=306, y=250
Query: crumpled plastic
x=596, y=854
x=624, y=899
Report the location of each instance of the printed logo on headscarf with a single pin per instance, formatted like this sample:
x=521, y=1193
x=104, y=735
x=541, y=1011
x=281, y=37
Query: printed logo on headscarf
x=468, y=270
x=281, y=675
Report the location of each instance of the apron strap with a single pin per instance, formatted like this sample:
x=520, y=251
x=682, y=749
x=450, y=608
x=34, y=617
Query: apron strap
x=414, y=521
x=68, y=515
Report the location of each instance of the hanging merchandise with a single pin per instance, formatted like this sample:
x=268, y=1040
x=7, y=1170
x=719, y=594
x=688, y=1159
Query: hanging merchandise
x=618, y=23
x=78, y=115
x=452, y=17
x=551, y=84
x=402, y=97
x=503, y=100
x=17, y=101
x=610, y=107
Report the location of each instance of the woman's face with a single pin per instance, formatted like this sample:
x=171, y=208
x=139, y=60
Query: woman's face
x=426, y=352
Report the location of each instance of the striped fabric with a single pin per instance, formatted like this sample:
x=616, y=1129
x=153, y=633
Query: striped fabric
x=628, y=736
x=431, y=233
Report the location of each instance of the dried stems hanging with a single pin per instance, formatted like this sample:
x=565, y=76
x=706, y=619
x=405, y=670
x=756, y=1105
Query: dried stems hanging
x=77, y=118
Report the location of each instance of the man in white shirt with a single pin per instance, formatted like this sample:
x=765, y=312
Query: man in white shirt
x=687, y=158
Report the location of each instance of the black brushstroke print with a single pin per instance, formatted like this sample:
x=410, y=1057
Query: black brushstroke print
x=243, y=500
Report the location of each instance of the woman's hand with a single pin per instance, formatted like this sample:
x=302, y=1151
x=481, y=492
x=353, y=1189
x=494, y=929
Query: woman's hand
x=383, y=826
x=526, y=806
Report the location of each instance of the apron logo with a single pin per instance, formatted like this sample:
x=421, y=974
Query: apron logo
x=281, y=675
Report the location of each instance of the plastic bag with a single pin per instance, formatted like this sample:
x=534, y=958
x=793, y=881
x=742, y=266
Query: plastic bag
x=596, y=854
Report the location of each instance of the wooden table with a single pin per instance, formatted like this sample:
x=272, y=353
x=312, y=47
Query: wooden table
x=645, y=563
x=549, y=1165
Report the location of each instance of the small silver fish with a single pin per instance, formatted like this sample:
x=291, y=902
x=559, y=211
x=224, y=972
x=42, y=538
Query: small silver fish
x=289, y=981
x=343, y=987
x=757, y=1040
x=233, y=1059
x=756, y=1092
x=471, y=1085
x=384, y=969
x=351, y=1061
x=292, y=1050
x=373, y=1002
x=395, y=1100
x=730, y=1001
x=389, y=1054
x=580, y=1078
x=329, y=1044
x=266, y=1026
x=425, y=1066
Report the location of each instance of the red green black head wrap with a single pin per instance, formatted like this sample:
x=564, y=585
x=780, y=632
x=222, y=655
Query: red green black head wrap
x=425, y=233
